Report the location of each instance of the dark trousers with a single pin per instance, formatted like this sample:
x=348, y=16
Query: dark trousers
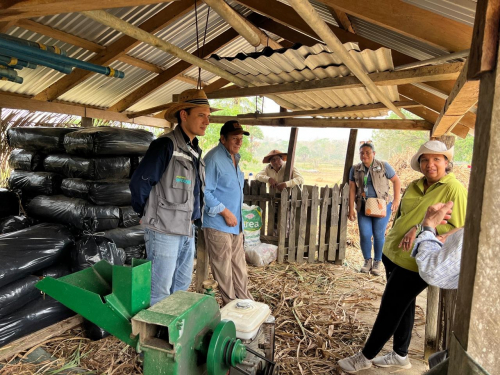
x=397, y=310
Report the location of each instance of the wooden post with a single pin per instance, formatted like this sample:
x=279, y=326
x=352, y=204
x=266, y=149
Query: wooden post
x=282, y=225
x=475, y=332
x=201, y=262
x=313, y=225
x=302, y=226
x=87, y=122
x=343, y=225
x=349, y=156
x=334, y=223
x=290, y=160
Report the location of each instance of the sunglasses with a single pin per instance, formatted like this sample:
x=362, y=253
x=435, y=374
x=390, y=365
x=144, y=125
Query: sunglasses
x=365, y=142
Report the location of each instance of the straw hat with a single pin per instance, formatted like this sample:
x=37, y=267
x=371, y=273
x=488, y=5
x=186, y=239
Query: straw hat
x=431, y=147
x=188, y=99
x=274, y=153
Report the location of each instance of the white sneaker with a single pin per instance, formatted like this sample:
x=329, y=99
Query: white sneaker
x=392, y=359
x=355, y=363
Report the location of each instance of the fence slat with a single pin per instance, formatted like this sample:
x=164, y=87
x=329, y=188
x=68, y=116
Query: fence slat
x=254, y=190
x=343, y=224
x=263, y=204
x=334, y=224
x=271, y=212
x=282, y=225
x=291, y=233
x=246, y=188
x=302, y=226
x=313, y=227
x=322, y=223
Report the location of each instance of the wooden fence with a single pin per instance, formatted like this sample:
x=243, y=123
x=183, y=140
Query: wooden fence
x=311, y=225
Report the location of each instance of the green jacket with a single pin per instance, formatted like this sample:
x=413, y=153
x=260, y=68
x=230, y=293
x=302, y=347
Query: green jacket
x=414, y=204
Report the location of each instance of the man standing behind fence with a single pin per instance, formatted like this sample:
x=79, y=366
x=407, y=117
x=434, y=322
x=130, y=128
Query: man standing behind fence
x=274, y=172
x=223, y=220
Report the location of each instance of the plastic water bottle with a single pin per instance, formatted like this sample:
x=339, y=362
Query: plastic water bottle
x=250, y=179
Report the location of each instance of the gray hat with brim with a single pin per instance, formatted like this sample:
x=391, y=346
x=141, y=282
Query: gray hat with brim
x=431, y=147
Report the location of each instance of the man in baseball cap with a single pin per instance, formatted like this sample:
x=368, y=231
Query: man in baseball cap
x=222, y=221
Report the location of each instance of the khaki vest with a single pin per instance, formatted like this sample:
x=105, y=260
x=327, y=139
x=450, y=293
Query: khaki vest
x=170, y=204
x=379, y=181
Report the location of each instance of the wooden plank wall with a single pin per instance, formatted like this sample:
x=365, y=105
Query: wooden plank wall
x=311, y=225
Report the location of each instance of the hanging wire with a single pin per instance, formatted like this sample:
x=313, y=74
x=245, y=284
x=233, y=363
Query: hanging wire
x=200, y=51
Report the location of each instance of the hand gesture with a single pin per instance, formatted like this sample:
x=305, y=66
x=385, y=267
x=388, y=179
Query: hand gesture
x=229, y=217
x=395, y=205
x=281, y=186
x=352, y=215
x=437, y=214
x=272, y=182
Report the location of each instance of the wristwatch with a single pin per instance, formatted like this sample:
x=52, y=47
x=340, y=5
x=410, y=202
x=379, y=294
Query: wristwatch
x=421, y=228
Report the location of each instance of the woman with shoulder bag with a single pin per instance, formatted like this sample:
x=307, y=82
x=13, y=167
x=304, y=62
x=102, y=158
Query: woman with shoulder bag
x=369, y=190
x=397, y=309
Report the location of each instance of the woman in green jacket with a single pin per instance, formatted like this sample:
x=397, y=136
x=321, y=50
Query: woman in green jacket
x=397, y=309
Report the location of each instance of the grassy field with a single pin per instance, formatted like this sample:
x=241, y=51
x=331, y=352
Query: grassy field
x=320, y=175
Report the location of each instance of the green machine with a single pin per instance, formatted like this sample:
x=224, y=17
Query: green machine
x=182, y=334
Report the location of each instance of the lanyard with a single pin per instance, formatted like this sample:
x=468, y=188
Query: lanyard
x=365, y=180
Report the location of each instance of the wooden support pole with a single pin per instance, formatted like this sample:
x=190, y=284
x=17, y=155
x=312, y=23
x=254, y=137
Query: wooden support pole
x=311, y=16
x=201, y=262
x=476, y=327
x=349, y=156
x=431, y=322
x=290, y=159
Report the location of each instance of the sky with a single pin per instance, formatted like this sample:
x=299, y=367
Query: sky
x=307, y=134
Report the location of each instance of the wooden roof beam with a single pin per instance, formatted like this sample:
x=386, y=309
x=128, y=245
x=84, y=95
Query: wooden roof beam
x=422, y=74
x=412, y=21
x=330, y=123
x=462, y=98
x=329, y=112
x=117, y=49
x=17, y=102
x=17, y=9
x=171, y=73
x=342, y=20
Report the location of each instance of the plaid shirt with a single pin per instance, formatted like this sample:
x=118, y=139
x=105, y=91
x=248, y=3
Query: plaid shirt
x=438, y=263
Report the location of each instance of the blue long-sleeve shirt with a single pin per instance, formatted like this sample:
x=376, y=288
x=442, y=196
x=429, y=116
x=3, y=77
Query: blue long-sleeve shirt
x=223, y=189
x=152, y=167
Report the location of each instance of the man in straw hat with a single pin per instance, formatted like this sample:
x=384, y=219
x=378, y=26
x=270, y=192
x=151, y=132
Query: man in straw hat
x=167, y=190
x=274, y=172
x=222, y=223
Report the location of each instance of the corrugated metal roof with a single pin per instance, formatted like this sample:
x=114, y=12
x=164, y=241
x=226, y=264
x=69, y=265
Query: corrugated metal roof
x=302, y=63
x=396, y=41
x=459, y=10
x=323, y=11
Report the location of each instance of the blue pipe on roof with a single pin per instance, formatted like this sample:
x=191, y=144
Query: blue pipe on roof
x=66, y=69
x=11, y=75
x=44, y=55
x=16, y=63
x=53, y=49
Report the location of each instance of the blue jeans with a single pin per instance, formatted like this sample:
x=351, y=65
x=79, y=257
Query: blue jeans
x=372, y=227
x=171, y=259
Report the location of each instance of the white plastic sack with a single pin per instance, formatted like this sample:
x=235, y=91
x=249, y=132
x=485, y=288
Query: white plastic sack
x=256, y=253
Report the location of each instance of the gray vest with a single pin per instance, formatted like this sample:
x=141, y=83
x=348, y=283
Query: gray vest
x=379, y=181
x=170, y=204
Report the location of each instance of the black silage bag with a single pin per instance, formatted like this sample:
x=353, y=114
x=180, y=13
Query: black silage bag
x=26, y=160
x=29, y=250
x=34, y=183
x=113, y=192
x=13, y=224
x=126, y=237
x=76, y=188
x=134, y=163
x=134, y=252
x=34, y=316
x=72, y=211
x=18, y=293
x=128, y=217
x=10, y=203
x=43, y=139
x=98, y=168
x=92, y=248
x=105, y=140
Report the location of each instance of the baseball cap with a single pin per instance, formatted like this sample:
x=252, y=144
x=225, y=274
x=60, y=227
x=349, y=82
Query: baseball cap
x=232, y=126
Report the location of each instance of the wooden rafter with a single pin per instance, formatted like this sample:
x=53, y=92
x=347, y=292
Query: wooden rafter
x=18, y=102
x=463, y=96
x=331, y=123
x=117, y=49
x=342, y=20
x=431, y=116
x=433, y=102
x=409, y=20
x=343, y=111
x=17, y=9
x=422, y=74
x=169, y=74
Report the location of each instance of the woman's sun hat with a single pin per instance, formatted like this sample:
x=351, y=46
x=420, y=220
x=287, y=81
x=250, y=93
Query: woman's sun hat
x=269, y=156
x=431, y=147
x=188, y=99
